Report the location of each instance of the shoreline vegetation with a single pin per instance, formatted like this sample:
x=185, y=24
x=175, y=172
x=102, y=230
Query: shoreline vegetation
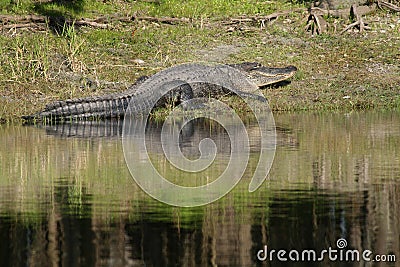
x=53, y=50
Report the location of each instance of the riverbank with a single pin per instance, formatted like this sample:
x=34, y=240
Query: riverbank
x=59, y=61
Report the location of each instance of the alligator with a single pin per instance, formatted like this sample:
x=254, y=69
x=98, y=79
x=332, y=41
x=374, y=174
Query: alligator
x=115, y=105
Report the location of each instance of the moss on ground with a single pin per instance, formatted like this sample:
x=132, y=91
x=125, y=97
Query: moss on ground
x=336, y=72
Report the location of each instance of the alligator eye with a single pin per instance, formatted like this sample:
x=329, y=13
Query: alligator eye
x=256, y=66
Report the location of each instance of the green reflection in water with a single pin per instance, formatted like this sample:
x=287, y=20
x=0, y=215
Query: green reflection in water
x=341, y=152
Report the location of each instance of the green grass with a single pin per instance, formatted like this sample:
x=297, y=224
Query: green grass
x=211, y=9
x=350, y=71
x=173, y=8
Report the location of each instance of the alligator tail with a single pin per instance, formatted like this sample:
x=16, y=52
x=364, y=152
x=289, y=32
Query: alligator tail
x=111, y=106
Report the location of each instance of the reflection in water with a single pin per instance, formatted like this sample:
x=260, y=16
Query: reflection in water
x=71, y=201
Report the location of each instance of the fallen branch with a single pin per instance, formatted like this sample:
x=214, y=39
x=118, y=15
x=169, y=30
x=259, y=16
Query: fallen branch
x=6, y=19
x=270, y=17
x=27, y=21
x=90, y=23
x=166, y=20
x=390, y=6
x=20, y=25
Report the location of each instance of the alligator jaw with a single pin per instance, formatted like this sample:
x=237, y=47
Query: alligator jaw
x=263, y=76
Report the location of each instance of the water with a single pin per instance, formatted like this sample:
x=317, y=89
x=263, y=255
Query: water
x=67, y=197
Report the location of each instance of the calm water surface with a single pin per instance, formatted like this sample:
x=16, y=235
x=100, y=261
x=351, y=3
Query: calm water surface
x=67, y=197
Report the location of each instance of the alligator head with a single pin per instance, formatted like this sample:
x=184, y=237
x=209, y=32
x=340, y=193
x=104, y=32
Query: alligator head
x=263, y=76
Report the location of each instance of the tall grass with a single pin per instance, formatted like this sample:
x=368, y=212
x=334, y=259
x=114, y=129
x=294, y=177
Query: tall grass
x=26, y=59
x=72, y=47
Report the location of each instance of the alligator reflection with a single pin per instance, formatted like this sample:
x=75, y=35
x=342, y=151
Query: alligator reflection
x=85, y=129
x=71, y=201
x=193, y=130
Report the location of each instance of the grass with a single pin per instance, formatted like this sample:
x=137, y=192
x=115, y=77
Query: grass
x=216, y=9
x=27, y=61
x=336, y=72
x=73, y=47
